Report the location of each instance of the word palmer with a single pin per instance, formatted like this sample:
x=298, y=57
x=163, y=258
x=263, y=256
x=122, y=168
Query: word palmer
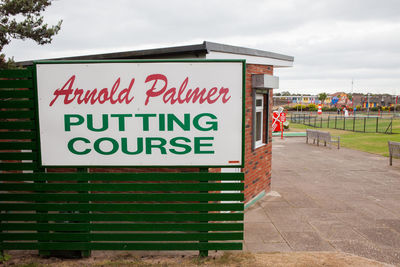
x=145, y=122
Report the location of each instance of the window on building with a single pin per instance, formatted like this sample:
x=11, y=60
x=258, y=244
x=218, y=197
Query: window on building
x=259, y=121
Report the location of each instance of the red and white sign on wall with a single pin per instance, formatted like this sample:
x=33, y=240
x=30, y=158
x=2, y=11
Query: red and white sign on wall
x=283, y=117
x=277, y=118
x=141, y=113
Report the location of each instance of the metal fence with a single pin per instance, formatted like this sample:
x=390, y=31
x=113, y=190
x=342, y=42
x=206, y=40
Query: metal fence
x=371, y=124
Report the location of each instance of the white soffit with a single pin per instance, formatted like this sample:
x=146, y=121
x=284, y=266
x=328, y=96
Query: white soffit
x=250, y=59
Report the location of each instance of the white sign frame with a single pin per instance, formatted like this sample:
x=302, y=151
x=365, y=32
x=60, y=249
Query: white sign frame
x=218, y=139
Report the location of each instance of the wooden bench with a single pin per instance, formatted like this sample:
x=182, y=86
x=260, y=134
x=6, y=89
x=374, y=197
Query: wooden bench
x=321, y=136
x=326, y=137
x=394, y=150
x=311, y=135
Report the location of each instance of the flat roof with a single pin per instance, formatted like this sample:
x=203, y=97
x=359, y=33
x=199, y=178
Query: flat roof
x=204, y=50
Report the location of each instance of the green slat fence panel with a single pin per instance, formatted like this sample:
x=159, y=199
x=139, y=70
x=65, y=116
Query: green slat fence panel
x=18, y=166
x=18, y=156
x=162, y=197
x=16, y=84
x=17, y=104
x=123, y=207
x=120, y=246
x=17, y=145
x=122, y=187
x=16, y=93
x=138, y=217
x=20, y=114
x=88, y=211
x=18, y=73
x=122, y=226
x=10, y=135
x=46, y=209
x=172, y=176
x=17, y=125
x=121, y=236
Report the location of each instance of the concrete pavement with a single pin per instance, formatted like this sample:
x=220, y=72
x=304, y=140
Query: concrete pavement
x=326, y=199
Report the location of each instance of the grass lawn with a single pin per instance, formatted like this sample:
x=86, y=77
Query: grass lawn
x=369, y=142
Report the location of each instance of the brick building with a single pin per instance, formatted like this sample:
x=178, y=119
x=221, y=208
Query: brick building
x=378, y=100
x=258, y=108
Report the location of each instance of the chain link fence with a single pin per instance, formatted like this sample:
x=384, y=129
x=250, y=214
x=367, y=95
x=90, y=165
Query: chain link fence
x=371, y=124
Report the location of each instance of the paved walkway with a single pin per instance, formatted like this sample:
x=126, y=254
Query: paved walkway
x=328, y=200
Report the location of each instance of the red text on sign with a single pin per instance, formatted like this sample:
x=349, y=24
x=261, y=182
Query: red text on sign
x=93, y=96
x=183, y=95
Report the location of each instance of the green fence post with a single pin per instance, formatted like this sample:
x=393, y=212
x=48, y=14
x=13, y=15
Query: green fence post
x=335, y=121
x=328, y=121
x=1, y=241
x=38, y=169
x=203, y=253
x=391, y=125
x=365, y=122
x=354, y=123
x=344, y=123
x=377, y=120
x=315, y=122
x=321, y=122
x=85, y=253
x=43, y=253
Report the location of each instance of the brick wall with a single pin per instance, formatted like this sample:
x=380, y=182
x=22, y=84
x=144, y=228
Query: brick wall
x=258, y=162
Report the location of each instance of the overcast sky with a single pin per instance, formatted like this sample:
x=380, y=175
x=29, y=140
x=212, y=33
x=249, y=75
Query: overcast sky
x=333, y=41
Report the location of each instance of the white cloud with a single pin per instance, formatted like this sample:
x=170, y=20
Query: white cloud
x=332, y=41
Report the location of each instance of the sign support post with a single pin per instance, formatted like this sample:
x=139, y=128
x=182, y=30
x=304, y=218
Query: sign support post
x=203, y=253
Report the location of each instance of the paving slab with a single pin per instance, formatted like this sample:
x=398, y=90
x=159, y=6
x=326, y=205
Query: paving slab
x=382, y=236
x=267, y=232
x=306, y=241
x=394, y=224
x=327, y=199
x=256, y=214
x=336, y=230
x=267, y=247
x=369, y=250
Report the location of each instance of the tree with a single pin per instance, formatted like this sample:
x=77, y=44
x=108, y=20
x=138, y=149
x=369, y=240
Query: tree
x=21, y=19
x=286, y=93
x=322, y=97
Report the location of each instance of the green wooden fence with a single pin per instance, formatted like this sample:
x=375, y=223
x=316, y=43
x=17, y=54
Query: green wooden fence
x=82, y=211
x=18, y=128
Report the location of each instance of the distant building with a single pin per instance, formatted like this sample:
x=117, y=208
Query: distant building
x=295, y=99
x=357, y=99
x=340, y=99
x=381, y=100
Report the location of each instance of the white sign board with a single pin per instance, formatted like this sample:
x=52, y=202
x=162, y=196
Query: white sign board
x=140, y=113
